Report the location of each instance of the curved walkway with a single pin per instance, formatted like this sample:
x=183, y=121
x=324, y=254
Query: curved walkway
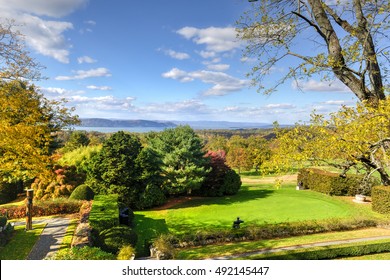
x=51, y=238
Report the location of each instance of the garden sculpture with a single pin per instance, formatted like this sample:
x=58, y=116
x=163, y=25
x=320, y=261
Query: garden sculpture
x=236, y=223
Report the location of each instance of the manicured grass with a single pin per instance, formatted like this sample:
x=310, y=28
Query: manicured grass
x=229, y=249
x=21, y=243
x=255, y=204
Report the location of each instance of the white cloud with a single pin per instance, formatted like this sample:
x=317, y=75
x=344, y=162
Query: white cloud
x=218, y=67
x=52, y=8
x=54, y=92
x=280, y=106
x=99, y=87
x=321, y=86
x=177, y=55
x=86, y=59
x=82, y=74
x=216, y=39
x=43, y=35
x=90, y=22
x=338, y=102
x=107, y=103
x=207, y=54
x=222, y=82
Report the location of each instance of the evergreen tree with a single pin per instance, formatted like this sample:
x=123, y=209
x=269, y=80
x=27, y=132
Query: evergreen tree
x=184, y=165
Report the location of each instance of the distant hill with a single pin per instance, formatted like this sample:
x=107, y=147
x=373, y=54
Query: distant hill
x=98, y=122
x=222, y=124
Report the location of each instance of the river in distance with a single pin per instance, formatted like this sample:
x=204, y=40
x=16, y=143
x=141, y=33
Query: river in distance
x=116, y=129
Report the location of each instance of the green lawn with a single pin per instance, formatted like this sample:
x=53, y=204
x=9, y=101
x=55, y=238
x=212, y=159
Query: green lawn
x=229, y=249
x=255, y=204
x=21, y=243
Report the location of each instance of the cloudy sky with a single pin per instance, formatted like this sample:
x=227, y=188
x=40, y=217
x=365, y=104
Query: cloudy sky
x=157, y=60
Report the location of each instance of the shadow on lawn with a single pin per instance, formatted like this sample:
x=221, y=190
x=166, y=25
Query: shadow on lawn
x=242, y=196
x=147, y=229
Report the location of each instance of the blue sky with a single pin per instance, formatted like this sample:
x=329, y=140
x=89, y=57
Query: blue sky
x=157, y=60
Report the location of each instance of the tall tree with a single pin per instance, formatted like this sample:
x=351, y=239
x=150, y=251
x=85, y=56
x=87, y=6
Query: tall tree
x=15, y=61
x=346, y=39
x=238, y=155
x=353, y=138
x=27, y=123
x=116, y=170
x=184, y=164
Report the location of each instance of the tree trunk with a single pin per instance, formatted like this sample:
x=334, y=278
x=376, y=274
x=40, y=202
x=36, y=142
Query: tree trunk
x=350, y=78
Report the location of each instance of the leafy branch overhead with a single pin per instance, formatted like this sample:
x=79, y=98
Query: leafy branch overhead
x=347, y=40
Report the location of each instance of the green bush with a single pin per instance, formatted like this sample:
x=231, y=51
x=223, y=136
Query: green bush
x=232, y=182
x=113, y=239
x=82, y=192
x=84, y=253
x=333, y=252
x=152, y=196
x=127, y=252
x=3, y=221
x=105, y=212
x=332, y=183
x=43, y=208
x=380, y=197
x=8, y=191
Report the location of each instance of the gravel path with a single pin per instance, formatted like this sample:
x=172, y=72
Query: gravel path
x=50, y=239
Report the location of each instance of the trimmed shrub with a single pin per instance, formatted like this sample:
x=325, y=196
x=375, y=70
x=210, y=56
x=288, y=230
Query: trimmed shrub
x=232, y=182
x=127, y=252
x=8, y=192
x=152, y=196
x=380, y=197
x=332, y=183
x=82, y=192
x=84, y=253
x=3, y=221
x=6, y=233
x=43, y=208
x=113, y=239
x=337, y=251
x=105, y=212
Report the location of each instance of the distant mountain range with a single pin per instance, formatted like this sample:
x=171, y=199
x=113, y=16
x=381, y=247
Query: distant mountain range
x=97, y=122
x=100, y=122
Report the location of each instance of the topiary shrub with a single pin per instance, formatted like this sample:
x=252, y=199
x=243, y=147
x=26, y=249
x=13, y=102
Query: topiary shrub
x=332, y=183
x=3, y=221
x=105, y=212
x=152, y=196
x=380, y=197
x=232, y=182
x=82, y=192
x=8, y=191
x=113, y=239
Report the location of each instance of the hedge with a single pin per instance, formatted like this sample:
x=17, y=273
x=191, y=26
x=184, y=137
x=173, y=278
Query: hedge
x=380, y=197
x=332, y=252
x=42, y=208
x=105, y=212
x=8, y=191
x=332, y=183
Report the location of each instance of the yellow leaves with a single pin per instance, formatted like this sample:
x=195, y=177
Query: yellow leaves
x=345, y=135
